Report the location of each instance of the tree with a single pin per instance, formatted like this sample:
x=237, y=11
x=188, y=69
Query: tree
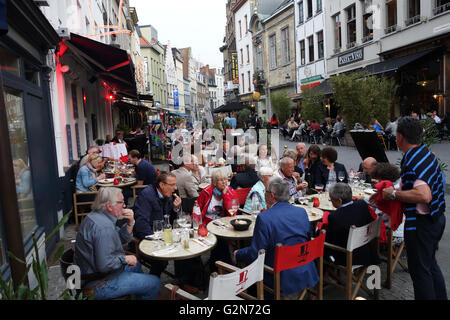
x=242, y=117
x=312, y=104
x=281, y=105
x=360, y=97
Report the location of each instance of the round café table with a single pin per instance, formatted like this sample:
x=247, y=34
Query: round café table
x=128, y=182
x=150, y=249
x=228, y=232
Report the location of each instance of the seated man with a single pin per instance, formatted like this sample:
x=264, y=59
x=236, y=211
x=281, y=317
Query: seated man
x=285, y=224
x=287, y=173
x=348, y=213
x=366, y=168
x=186, y=183
x=247, y=178
x=145, y=172
x=105, y=268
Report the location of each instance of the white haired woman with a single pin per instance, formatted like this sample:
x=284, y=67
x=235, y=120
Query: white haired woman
x=259, y=189
x=87, y=175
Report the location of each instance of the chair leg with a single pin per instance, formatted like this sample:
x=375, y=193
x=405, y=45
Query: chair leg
x=389, y=268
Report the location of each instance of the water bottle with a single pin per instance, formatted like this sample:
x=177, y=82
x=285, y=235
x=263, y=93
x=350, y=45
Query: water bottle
x=351, y=176
x=256, y=204
x=196, y=216
x=167, y=231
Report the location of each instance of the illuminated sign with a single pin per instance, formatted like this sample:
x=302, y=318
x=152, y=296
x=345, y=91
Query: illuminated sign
x=234, y=67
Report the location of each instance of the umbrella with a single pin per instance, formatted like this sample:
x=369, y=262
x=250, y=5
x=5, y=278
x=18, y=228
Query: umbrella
x=229, y=107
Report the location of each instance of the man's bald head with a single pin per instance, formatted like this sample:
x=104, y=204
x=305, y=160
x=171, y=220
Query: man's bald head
x=369, y=165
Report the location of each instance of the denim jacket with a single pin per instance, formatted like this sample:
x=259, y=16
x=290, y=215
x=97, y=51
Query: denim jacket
x=85, y=179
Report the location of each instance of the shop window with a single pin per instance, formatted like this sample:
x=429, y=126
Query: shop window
x=9, y=62
x=31, y=73
x=21, y=161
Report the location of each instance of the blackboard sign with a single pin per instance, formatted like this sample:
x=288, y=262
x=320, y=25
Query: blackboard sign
x=368, y=145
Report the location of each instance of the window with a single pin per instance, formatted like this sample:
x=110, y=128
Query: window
x=337, y=33
x=285, y=55
x=320, y=44
x=246, y=25
x=310, y=8
x=248, y=54
x=240, y=29
x=272, y=51
x=302, y=52
x=249, y=82
x=9, y=62
x=300, y=12
x=319, y=6
x=243, y=83
x=413, y=12
x=441, y=6
x=391, y=19
x=21, y=161
x=351, y=26
x=242, y=56
x=311, y=48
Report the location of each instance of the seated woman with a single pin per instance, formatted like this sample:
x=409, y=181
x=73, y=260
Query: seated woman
x=263, y=159
x=376, y=125
x=347, y=213
x=215, y=201
x=330, y=170
x=87, y=175
x=312, y=164
x=264, y=174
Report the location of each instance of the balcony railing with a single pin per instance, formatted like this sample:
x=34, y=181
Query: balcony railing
x=367, y=38
x=391, y=29
x=441, y=9
x=412, y=20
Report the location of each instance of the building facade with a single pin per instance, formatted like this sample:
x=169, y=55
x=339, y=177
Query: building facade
x=178, y=60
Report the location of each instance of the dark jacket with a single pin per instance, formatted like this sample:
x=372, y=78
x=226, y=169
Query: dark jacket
x=323, y=172
x=288, y=225
x=245, y=179
x=148, y=208
x=339, y=223
x=313, y=174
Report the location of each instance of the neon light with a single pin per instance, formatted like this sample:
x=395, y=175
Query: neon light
x=117, y=66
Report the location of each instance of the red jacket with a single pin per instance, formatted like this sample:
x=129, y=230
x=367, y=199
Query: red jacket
x=204, y=199
x=393, y=208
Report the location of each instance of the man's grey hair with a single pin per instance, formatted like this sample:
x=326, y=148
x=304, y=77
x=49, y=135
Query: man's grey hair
x=280, y=189
x=341, y=191
x=285, y=161
x=105, y=195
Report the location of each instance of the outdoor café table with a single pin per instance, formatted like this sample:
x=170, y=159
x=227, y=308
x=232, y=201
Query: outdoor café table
x=324, y=199
x=228, y=231
x=108, y=183
x=150, y=249
x=113, y=151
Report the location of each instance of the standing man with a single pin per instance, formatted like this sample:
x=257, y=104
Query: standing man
x=105, y=268
x=422, y=192
x=145, y=172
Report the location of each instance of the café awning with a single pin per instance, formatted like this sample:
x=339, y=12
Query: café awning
x=229, y=107
x=113, y=65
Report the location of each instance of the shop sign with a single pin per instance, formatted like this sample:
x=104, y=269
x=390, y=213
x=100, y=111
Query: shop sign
x=234, y=67
x=311, y=79
x=351, y=57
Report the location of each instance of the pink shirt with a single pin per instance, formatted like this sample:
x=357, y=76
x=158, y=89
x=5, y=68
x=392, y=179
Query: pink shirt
x=422, y=208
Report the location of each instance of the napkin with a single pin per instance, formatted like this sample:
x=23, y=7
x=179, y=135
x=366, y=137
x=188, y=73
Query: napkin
x=165, y=251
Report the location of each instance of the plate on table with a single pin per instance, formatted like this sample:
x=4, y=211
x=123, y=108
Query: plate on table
x=126, y=180
x=106, y=181
x=370, y=191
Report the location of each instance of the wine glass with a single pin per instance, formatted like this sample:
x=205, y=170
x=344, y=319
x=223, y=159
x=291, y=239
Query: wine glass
x=176, y=232
x=234, y=207
x=319, y=188
x=341, y=176
x=158, y=226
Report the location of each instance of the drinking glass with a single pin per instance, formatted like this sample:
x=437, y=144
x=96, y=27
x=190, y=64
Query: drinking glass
x=319, y=188
x=158, y=226
x=341, y=176
x=176, y=233
x=234, y=207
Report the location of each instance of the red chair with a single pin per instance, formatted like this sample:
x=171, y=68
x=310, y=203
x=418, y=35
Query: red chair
x=241, y=195
x=289, y=257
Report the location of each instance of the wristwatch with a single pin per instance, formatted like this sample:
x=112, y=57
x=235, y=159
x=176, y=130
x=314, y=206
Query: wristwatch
x=131, y=225
x=392, y=196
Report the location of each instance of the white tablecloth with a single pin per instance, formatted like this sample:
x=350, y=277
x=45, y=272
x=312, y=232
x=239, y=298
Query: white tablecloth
x=113, y=151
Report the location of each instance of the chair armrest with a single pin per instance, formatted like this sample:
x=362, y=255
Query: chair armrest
x=334, y=247
x=181, y=293
x=226, y=267
x=268, y=269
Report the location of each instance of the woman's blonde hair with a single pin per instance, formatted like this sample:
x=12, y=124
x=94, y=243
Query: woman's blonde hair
x=218, y=174
x=94, y=159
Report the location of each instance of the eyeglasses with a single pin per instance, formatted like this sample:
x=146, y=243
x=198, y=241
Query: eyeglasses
x=171, y=184
x=120, y=202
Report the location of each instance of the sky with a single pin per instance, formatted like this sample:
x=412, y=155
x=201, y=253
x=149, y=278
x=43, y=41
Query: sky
x=199, y=24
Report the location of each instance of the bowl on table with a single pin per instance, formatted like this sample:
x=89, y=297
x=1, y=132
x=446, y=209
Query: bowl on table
x=241, y=224
x=111, y=180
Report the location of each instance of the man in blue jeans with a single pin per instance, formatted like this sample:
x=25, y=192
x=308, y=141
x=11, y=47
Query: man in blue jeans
x=105, y=269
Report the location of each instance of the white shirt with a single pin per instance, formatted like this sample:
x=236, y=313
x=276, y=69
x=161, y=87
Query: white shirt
x=212, y=213
x=437, y=119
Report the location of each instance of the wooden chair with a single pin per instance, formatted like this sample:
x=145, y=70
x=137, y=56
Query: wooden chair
x=288, y=257
x=357, y=237
x=241, y=195
x=82, y=202
x=137, y=187
x=382, y=140
x=230, y=286
x=394, y=251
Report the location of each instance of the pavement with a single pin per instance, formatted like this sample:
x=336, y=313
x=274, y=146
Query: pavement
x=402, y=288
